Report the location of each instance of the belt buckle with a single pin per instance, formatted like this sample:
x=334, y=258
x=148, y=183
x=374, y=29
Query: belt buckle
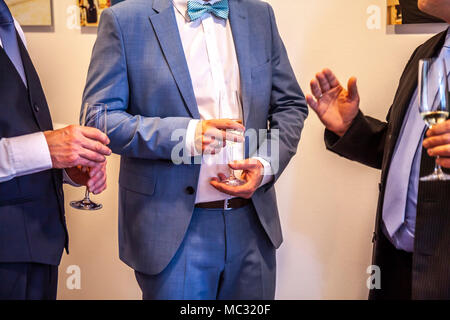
x=225, y=205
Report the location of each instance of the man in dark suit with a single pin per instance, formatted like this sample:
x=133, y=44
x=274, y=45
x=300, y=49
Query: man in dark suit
x=412, y=233
x=33, y=230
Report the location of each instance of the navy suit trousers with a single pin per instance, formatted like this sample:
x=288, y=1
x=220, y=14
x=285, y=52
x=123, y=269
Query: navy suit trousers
x=28, y=281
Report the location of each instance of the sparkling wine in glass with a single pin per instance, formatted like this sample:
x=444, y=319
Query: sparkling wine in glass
x=93, y=115
x=434, y=101
x=234, y=151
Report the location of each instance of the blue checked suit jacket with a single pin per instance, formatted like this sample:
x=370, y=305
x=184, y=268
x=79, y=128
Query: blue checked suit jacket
x=139, y=69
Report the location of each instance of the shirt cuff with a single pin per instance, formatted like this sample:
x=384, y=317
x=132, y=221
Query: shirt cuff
x=268, y=174
x=190, y=138
x=29, y=153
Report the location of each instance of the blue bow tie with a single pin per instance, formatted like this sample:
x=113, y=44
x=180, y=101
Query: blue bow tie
x=196, y=9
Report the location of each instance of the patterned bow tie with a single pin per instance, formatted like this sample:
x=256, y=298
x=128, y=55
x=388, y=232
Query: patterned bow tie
x=196, y=9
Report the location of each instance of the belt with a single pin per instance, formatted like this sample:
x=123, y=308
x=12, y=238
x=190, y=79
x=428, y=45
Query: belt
x=228, y=204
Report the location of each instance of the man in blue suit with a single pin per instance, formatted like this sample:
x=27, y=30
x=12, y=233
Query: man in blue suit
x=163, y=66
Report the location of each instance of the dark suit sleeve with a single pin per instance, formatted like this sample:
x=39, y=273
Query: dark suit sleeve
x=363, y=142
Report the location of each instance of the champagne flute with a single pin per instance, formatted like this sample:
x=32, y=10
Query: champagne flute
x=434, y=102
x=93, y=115
x=234, y=150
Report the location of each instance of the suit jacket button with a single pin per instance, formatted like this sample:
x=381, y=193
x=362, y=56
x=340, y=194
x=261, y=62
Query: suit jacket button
x=36, y=107
x=190, y=190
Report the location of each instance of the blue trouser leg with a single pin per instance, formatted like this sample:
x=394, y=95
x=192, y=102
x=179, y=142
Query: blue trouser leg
x=225, y=255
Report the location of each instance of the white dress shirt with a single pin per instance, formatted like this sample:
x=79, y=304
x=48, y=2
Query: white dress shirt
x=211, y=57
x=27, y=154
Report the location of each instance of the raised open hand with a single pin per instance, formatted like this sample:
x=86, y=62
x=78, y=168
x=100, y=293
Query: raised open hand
x=335, y=106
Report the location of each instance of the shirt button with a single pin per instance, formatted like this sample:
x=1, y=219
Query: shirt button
x=36, y=107
x=190, y=190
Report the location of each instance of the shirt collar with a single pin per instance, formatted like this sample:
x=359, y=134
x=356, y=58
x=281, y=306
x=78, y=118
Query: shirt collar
x=181, y=6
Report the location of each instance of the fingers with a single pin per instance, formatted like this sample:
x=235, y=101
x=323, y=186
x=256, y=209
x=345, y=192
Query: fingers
x=248, y=164
x=217, y=132
x=91, y=155
x=223, y=135
x=443, y=162
x=95, y=134
x=95, y=146
x=439, y=129
x=252, y=175
x=80, y=161
x=352, y=88
x=97, y=184
x=441, y=151
x=331, y=78
x=94, y=170
x=242, y=191
x=227, y=124
x=312, y=102
x=222, y=177
x=97, y=181
x=211, y=145
x=315, y=89
x=434, y=141
x=233, y=137
x=323, y=82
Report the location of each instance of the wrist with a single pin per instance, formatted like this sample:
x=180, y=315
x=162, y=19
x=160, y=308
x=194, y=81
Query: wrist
x=342, y=131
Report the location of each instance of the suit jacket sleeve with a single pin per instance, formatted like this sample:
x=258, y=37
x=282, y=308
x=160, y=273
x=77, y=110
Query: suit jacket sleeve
x=107, y=82
x=363, y=142
x=288, y=110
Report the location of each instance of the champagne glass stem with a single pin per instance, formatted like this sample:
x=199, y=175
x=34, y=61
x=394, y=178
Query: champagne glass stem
x=86, y=195
x=437, y=168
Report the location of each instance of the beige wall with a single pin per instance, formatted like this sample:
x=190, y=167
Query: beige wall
x=327, y=204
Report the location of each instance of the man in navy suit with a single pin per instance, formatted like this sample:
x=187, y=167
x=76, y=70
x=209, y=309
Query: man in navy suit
x=33, y=230
x=166, y=67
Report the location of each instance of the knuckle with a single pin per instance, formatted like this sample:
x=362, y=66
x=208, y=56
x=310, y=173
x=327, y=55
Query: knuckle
x=73, y=158
x=73, y=129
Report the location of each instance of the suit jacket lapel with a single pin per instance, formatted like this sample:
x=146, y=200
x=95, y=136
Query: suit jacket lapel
x=241, y=34
x=166, y=29
x=409, y=85
x=35, y=91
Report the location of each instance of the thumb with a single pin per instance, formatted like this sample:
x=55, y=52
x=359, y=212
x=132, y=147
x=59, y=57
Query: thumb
x=352, y=88
x=244, y=164
x=312, y=103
